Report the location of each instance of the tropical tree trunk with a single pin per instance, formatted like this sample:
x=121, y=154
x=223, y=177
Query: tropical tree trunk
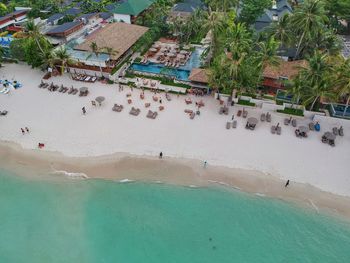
x=347, y=105
x=299, y=45
x=38, y=44
x=62, y=68
x=313, y=103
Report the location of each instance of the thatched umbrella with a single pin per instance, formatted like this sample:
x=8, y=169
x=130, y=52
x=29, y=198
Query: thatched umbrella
x=99, y=99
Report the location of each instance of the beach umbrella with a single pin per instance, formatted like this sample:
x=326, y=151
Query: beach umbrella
x=252, y=121
x=83, y=89
x=187, y=47
x=183, y=52
x=172, y=54
x=303, y=129
x=99, y=99
x=329, y=136
x=152, y=50
x=181, y=56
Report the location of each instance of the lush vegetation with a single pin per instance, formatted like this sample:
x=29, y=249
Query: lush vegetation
x=292, y=111
x=236, y=55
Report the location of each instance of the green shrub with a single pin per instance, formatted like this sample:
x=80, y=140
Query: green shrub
x=246, y=103
x=137, y=60
x=279, y=102
x=290, y=111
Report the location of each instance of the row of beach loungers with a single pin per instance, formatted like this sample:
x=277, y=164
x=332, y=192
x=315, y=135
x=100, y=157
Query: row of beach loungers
x=135, y=111
x=3, y=113
x=51, y=87
x=85, y=78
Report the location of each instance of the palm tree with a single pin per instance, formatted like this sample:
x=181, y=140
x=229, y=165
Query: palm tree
x=281, y=30
x=267, y=51
x=342, y=81
x=33, y=31
x=2, y=53
x=308, y=19
x=213, y=23
x=63, y=58
x=110, y=51
x=316, y=79
x=295, y=88
x=48, y=59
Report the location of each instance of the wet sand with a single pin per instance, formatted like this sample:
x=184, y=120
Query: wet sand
x=38, y=164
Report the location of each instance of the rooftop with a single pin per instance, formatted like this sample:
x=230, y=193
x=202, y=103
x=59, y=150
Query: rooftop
x=131, y=7
x=3, y=18
x=199, y=75
x=286, y=69
x=188, y=6
x=63, y=28
x=119, y=36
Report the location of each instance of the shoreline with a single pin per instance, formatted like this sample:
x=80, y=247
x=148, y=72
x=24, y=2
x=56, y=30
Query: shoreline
x=37, y=164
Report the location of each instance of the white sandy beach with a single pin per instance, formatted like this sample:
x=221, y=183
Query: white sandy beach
x=56, y=119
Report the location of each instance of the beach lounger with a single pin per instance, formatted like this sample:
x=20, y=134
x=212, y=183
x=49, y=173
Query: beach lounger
x=117, y=108
x=279, y=130
x=61, y=89
x=192, y=115
x=188, y=101
x=234, y=124
x=335, y=131
x=71, y=90
x=75, y=91
x=228, y=125
x=273, y=129
x=161, y=108
x=262, y=117
x=93, y=79
x=341, y=131
x=135, y=111
x=167, y=96
x=297, y=133
x=245, y=113
x=221, y=110
x=311, y=126
x=268, y=117
x=188, y=111
x=239, y=113
x=286, y=121
x=147, y=104
x=152, y=114
x=294, y=123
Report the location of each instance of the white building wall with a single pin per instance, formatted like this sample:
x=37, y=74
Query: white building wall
x=124, y=18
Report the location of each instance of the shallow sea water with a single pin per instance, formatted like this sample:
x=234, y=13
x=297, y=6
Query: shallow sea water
x=87, y=221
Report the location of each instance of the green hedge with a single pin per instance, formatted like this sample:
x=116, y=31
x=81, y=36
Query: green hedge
x=290, y=111
x=246, y=103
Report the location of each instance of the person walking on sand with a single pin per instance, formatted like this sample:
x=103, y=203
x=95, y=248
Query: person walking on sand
x=233, y=116
x=287, y=183
x=205, y=164
x=22, y=130
x=160, y=101
x=160, y=155
x=84, y=110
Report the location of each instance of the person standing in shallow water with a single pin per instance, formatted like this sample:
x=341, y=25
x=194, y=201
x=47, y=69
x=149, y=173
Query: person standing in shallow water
x=160, y=155
x=287, y=183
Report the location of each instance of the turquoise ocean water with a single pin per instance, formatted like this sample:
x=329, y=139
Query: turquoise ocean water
x=105, y=221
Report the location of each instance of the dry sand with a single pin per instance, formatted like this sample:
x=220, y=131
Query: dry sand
x=56, y=120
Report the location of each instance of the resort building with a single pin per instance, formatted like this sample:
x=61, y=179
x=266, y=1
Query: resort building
x=199, y=78
x=279, y=9
x=9, y=20
x=65, y=32
x=127, y=11
x=118, y=37
x=185, y=9
x=275, y=76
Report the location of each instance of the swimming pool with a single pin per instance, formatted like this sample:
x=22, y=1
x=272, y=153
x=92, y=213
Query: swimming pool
x=160, y=69
x=181, y=73
x=340, y=110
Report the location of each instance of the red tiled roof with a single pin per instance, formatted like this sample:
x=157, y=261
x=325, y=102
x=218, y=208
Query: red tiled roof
x=286, y=69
